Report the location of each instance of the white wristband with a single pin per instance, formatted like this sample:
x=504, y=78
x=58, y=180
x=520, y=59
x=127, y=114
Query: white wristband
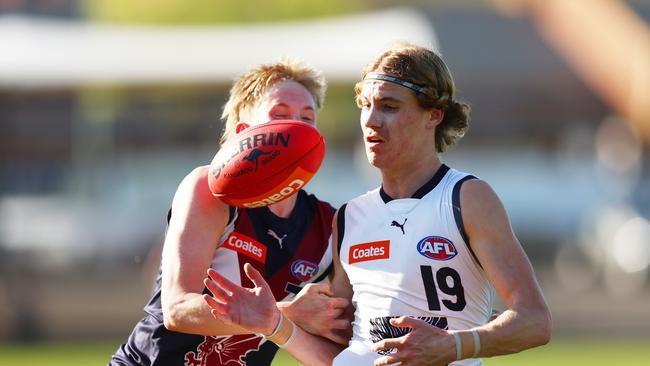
x=477, y=343
x=277, y=327
x=459, y=346
x=291, y=337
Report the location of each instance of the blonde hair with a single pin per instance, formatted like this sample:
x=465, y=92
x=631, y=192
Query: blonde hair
x=425, y=68
x=249, y=88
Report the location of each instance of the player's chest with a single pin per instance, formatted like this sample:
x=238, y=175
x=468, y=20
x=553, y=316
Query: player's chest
x=400, y=244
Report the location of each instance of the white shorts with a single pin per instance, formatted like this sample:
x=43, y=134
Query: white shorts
x=358, y=353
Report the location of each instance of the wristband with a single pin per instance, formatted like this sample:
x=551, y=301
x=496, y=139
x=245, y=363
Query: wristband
x=459, y=345
x=283, y=333
x=291, y=337
x=277, y=327
x=477, y=343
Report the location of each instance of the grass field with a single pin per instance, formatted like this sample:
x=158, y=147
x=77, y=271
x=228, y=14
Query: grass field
x=561, y=351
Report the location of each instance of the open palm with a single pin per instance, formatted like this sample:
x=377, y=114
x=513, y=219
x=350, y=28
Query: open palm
x=251, y=308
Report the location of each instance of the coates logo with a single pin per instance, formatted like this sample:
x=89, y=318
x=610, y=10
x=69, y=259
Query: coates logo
x=369, y=251
x=247, y=246
x=303, y=270
x=223, y=351
x=292, y=187
x=437, y=247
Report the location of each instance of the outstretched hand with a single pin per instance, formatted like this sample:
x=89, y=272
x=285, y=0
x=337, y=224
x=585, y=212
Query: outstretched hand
x=424, y=345
x=251, y=308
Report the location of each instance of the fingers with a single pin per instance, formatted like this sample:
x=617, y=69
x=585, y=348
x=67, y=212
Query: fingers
x=222, y=281
x=256, y=277
x=412, y=323
x=340, y=324
x=219, y=293
x=212, y=303
x=338, y=303
x=218, y=310
x=221, y=316
x=323, y=288
x=386, y=360
x=388, y=343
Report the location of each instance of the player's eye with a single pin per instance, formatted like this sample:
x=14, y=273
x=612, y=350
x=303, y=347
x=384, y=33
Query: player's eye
x=390, y=108
x=280, y=112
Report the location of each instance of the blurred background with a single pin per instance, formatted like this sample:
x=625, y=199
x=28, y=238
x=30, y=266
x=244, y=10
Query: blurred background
x=105, y=105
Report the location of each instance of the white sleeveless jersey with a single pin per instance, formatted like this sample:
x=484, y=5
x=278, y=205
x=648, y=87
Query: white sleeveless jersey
x=410, y=257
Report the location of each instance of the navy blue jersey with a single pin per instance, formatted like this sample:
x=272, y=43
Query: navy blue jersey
x=289, y=253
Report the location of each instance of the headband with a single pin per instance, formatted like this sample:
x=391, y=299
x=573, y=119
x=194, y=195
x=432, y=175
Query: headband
x=393, y=79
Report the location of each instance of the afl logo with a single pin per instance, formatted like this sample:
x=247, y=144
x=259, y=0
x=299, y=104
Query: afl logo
x=303, y=270
x=437, y=247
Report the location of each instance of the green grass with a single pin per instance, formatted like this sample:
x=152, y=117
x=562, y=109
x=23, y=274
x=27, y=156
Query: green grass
x=561, y=351
x=57, y=354
x=581, y=351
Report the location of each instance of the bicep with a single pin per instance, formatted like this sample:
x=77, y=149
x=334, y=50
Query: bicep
x=496, y=246
x=196, y=223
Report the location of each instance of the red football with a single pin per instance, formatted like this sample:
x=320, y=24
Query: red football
x=266, y=163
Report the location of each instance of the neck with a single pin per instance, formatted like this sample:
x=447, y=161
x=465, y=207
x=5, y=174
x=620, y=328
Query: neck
x=284, y=208
x=403, y=182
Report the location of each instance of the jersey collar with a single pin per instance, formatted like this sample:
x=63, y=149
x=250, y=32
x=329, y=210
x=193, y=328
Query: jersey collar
x=422, y=191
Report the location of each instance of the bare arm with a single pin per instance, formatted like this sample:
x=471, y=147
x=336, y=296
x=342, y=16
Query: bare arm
x=313, y=350
x=255, y=310
x=197, y=222
x=526, y=322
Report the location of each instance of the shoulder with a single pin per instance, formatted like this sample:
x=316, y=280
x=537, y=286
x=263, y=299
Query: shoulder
x=195, y=183
x=194, y=191
x=482, y=210
x=196, y=176
x=476, y=192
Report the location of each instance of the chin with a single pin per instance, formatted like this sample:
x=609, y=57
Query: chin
x=374, y=161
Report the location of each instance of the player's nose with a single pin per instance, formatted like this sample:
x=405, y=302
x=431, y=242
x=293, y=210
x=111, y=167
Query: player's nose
x=371, y=119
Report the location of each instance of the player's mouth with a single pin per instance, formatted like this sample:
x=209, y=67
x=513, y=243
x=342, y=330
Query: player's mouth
x=374, y=139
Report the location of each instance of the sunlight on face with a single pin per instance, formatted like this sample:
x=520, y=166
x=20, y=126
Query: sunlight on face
x=284, y=100
x=396, y=130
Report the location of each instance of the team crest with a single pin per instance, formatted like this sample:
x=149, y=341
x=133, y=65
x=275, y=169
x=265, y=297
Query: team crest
x=381, y=328
x=437, y=248
x=303, y=270
x=223, y=351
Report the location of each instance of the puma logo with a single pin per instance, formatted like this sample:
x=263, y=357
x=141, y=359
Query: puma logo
x=279, y=239
x=255, y=155
x=400, y=226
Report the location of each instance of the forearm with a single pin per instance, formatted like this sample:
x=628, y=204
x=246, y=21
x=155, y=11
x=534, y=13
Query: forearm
x=312, y=350
x=190, y=314
x=511, y=332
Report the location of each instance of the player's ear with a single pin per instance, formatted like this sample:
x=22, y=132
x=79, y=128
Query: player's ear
x=240, y=126
x=435, y=117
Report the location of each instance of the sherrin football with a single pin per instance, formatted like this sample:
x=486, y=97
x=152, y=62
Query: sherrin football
x=266, y=163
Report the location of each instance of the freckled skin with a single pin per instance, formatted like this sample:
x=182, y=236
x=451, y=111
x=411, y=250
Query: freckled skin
x=406, y=132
